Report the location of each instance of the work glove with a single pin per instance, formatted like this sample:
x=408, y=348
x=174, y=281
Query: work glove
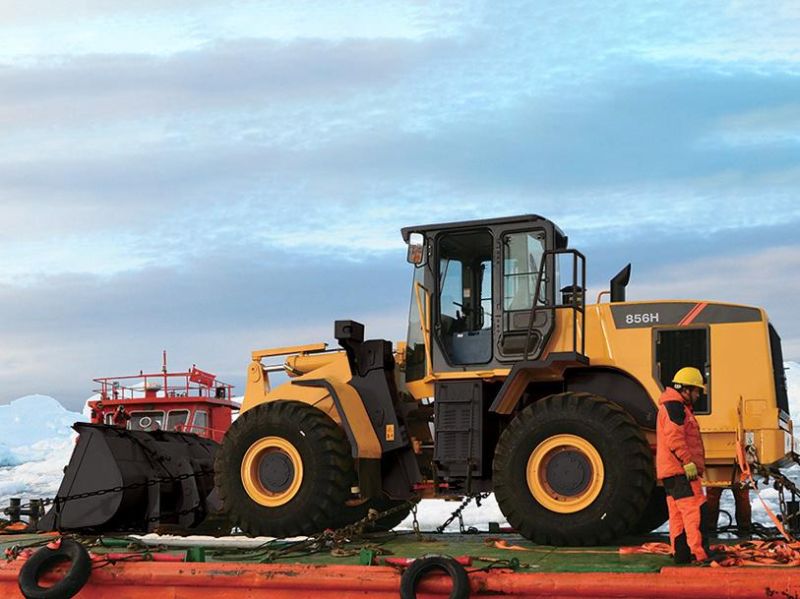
x=691, y=470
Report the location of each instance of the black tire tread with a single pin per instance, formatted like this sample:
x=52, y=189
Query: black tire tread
x=560, y=410
x=332, y=476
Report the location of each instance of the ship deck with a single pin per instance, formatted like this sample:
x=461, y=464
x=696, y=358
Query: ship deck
x=241, y=567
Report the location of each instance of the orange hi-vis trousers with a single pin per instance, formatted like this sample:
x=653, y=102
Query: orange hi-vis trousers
x=688, y=515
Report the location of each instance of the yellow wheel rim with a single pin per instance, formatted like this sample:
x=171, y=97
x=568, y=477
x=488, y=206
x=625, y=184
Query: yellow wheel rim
x=565, y=473
x=272, y=471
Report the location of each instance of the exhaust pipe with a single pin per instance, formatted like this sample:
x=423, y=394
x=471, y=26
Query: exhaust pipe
x=619, y=283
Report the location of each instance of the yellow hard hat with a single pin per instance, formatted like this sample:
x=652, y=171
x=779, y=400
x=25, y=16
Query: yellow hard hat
x=689, y=377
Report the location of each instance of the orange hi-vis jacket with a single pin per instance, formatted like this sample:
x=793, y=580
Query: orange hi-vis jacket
x=678, y=439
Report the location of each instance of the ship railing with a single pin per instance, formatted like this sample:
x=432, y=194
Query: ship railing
x=164, y=385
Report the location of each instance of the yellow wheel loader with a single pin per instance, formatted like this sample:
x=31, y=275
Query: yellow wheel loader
x=508, y=382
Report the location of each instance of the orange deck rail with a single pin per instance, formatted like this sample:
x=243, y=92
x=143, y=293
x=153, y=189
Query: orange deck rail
x=149, y=580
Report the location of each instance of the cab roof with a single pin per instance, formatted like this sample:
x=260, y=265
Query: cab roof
x=467, y=224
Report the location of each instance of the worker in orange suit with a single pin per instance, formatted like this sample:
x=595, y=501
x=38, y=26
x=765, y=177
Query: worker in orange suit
x=680, y=462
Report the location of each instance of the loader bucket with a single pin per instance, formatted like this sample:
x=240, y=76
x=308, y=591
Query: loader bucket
x=122, y=480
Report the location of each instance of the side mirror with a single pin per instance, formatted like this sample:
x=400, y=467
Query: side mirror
x=416, y=248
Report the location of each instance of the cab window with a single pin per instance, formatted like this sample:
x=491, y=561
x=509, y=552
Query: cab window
x=523, y=266
x=464, y=292
x=415, y=342
x=522, y=260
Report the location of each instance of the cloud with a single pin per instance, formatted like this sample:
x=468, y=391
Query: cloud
x=739, y=37
x=648, y=129
x=230, y=74
x=653, y=248
x=60, y=332
x=773, y=126
x=38, y=30
x=751, y=277
x=644, y=147
x=35, y=12
x=215, y=178
x=254, y=121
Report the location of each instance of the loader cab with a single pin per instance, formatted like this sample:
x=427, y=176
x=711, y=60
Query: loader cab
x=484, y=293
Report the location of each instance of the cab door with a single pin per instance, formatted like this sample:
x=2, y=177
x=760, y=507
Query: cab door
x=463, y=317
x=526, y=280
x=487, y=284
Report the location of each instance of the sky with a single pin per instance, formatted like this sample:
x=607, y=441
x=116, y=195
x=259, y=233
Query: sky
x=211, y=178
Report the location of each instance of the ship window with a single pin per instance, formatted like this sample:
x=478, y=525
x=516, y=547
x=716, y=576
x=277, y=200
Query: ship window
x=200, y=422
x=109, y=418
x=146, y=421
x=177, y=420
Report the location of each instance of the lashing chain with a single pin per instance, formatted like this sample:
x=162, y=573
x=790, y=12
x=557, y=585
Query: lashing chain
x=781, y=484
x=333, y=540
x=458, y=513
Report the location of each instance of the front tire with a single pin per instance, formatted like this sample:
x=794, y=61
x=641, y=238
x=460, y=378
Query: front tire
x=572, y=469
x=284, y=470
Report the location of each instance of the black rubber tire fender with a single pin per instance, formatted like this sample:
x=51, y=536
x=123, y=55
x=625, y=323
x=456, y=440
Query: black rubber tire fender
x=424, y=565
x=74, y=580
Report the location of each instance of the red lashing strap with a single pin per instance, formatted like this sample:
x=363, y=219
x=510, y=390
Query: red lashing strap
x=748, y=477
x=780, y=554
x=657, y=548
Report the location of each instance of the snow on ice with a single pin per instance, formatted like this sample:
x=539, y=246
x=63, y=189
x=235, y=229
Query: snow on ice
x=7, y=458
x=36, y=440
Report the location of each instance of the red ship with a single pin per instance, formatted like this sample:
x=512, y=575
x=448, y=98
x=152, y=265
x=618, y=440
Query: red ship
x=194, y=401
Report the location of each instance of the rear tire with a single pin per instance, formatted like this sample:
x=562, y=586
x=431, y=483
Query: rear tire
x=284, y=470
x=572, y=469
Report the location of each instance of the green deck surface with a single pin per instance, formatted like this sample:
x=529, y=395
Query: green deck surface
x=535, y=558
